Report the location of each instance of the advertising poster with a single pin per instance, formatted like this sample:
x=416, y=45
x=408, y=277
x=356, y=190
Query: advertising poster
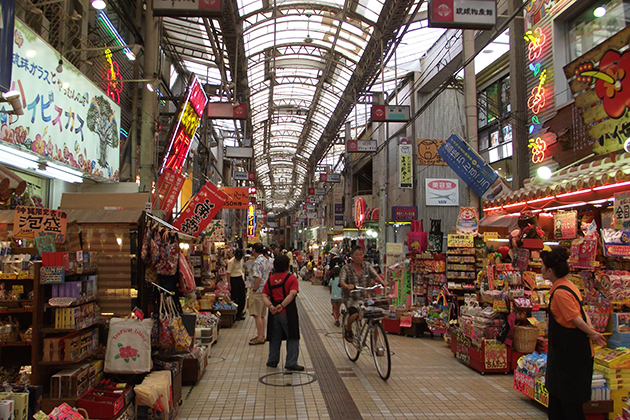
x=67, y=119
x=406, y=165
x=201, y=210
x=468, y=221
x=238, y=197
x=442, y=192
x=622, y=210
x=31, y=222
x=428, y=152
x=215, y=231
x=565, y=225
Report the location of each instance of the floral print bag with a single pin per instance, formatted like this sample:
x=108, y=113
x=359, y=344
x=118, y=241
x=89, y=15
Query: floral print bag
x=128, y=346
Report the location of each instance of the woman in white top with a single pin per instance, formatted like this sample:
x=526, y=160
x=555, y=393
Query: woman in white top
x=235, y=273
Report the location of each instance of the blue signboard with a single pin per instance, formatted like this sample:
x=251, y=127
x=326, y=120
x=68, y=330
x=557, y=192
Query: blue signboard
x=470, y=167
x=7, y=20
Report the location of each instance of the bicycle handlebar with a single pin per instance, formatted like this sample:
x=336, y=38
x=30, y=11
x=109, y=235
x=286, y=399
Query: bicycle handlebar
x=359, y=288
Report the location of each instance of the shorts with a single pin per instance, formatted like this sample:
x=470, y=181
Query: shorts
x=257, y=305
x=337, y=301
x=353, y=310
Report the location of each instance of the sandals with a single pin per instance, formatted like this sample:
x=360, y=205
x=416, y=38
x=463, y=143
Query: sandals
x=348, y=335
x=256, y=341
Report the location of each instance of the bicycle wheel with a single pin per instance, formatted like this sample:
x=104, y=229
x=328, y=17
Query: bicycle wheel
x=380, y=351
x=353, y=349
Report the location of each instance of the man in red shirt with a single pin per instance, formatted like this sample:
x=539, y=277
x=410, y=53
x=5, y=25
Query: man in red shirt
x=279, y=296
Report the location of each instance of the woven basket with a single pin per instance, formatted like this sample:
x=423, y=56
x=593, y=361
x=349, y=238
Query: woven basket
x=525, y=339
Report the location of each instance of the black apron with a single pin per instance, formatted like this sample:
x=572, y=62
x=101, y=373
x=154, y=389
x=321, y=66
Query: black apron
x=292, y=312
x=569, y=361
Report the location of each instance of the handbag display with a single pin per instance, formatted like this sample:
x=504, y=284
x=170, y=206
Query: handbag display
x=417, y=239
x=438, y=315
x=186, y=279
x=182, y=340
x=161, y=333
x=436, y=236
x=128, y=346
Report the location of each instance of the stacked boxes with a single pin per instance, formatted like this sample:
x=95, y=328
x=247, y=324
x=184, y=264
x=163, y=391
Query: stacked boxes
x=70, y=383
x=70, y=347
x=75, y=317
x=69, y=261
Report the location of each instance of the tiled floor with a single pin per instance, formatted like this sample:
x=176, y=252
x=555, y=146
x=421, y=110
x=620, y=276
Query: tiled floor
x=426, y=381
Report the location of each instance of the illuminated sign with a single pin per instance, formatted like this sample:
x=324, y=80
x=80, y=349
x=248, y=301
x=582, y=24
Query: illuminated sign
x=536, y=41
x=359, y=212
x=186, y=126
x=251, y=220
x=538, y=147
x=113, y=78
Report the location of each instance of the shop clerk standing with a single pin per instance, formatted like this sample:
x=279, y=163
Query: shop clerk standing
x=570, y=354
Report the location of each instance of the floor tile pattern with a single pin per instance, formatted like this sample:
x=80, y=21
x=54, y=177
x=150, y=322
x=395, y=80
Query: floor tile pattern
x=427, y=382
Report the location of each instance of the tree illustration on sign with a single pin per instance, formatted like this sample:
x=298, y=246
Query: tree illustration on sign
x=102, y=121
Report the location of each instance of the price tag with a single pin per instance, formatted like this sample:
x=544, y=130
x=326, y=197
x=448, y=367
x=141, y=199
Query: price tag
x=17, y=289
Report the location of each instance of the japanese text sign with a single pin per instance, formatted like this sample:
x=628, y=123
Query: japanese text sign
x=29, y=222
x=67, y=119
x=251, y=221
x=169, y=186
x=468, y=165
x=495, y=355
x=463, y=14
x=442, y=192
x=565, y=225
x=460, y=241
x=406, y=165
x=185, y=127
x=622, y=210
x=238, y=198
x=201, y=210
x=404, y=213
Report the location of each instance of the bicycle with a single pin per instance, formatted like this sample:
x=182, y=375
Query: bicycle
x=369, y=323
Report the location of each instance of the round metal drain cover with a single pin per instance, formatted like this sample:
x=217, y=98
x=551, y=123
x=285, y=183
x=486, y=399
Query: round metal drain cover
x=217, y=359
x=287, y=379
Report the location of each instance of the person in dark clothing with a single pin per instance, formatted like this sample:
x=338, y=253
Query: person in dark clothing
x=237, y=285
x=570, y=355
x=279, y=296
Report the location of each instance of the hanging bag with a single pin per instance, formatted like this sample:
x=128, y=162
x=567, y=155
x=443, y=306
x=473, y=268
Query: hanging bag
x=438, y=315
x=417, y=239
x=182, y=340
x=128, y=346
x=145, y=253
x=436, y=237
x=186, y=279
x=162, y=332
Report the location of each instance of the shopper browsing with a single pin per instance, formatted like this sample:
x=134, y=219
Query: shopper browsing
x=279, y=296
x=570, y=355
x=335, y=294
x=237, y=284
x=358, y=273
x=257, y=308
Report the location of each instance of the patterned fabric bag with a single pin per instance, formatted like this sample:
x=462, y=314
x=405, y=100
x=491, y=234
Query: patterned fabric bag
x=181, y=337
x=145, y=252
x=169, y=254
x=161, y=333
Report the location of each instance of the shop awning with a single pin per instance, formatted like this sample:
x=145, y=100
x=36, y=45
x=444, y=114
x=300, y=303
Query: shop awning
x=592, y=183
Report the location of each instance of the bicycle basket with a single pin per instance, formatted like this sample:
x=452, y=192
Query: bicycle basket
x=373, y=312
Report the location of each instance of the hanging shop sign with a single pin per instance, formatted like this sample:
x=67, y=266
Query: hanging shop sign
x=338, y=208
x=239, y=152
x=215, y=231
x=201, y=210
x=185, y=127
x=622, y=210
x=311, y=215
x=227, y=110
x=30, y=222
x=251, y=221
x=361, y=146
x=7, y=18
x=338, y=219
x=169, y=186
x=470, y=167
x=468, y=221
x=394, y=113
x=463, y=14
x=442, y=192
x=599, y=80
x=238, y=197
x=428, y=152
x=406, y=165
x=244, y=176
x=565, y=224
x=359, y=209
x=206, y=8
x=319, y=191
x=404, y=213
x=329, y=177
x=67, y=119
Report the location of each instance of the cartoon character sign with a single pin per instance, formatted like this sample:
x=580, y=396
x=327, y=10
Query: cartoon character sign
x=468, y=221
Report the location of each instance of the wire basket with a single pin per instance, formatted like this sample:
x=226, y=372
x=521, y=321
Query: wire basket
x=525, y=339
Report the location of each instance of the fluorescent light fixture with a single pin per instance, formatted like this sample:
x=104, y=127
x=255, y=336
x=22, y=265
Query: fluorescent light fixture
x=605, y=187
x=500, y=240
x=569, y=194
x=14, y=152
x=598, y=201
x=599, y=12
x=551, y=243
x=17, y=161
x=582, y=203
x=64, y=169
x=60, y=175
x=99, y=4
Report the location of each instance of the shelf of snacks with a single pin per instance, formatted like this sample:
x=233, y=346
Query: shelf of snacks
x=428, y=276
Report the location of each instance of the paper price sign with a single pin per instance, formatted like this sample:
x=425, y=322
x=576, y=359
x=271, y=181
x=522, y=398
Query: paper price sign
x=541, y=394
x=524, y=384
x=495, y=356
x=460, y=241
x=30, y=222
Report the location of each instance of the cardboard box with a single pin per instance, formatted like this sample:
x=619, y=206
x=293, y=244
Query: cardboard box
x=20, y=403
x=6, y=410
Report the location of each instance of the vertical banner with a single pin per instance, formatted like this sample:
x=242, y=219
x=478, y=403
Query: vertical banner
x=251, y=221
x=169, y=186
x=201, y=210
x=7, y=19
x=406, y=165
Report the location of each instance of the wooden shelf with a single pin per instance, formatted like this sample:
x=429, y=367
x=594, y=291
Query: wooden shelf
x=51, y=330
x=73, y=305
x=70, y=362
x=16, y=311
x=15, y=344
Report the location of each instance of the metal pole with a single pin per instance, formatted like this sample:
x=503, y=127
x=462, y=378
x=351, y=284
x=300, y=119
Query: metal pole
x=149, y=102
x=470, y=103
x=133, y=135
x=518, y=98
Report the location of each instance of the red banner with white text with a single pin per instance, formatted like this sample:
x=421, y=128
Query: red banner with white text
x=201, y=210
x=169, y=186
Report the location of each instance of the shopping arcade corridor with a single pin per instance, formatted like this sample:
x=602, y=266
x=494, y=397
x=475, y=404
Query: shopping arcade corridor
x=427, y=382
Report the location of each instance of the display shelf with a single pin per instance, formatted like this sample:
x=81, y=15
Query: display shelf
x=52, y=330
x=16, y=311
x=72, y=305
x=15, y=344
x=70, y=362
